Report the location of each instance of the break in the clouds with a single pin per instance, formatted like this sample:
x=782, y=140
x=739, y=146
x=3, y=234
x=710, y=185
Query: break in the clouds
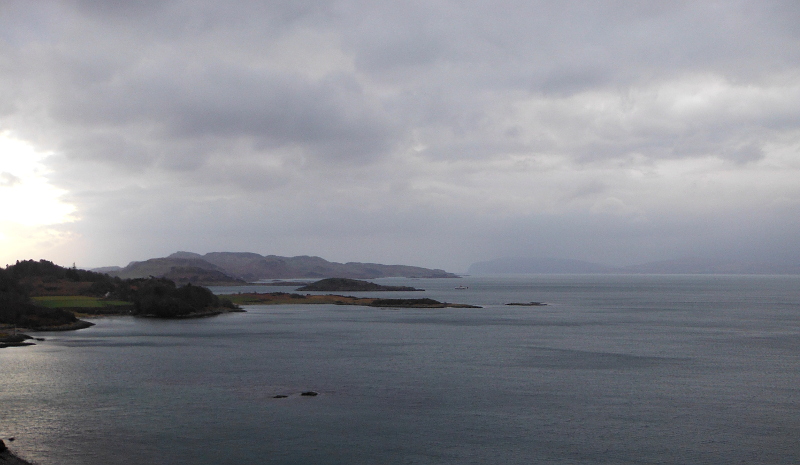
x=431, y=133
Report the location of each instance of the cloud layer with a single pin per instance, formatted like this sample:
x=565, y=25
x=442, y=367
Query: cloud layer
x=431, y=133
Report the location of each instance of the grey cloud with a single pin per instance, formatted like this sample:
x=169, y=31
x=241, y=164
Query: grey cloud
x=9, y=180
x=429, y=133
x=285, y=109
x=176, y=19
x=334, y=116
x=746, y=154
x=582, y=42
x=566, y=81
x=111, y=147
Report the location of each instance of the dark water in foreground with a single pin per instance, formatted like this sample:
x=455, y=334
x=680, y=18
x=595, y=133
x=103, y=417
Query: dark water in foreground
x=617, y=370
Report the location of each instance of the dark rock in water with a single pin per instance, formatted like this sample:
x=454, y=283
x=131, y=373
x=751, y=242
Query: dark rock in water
x=2, y=446
x=527, y=304
x=280, y=396
x=309, y=394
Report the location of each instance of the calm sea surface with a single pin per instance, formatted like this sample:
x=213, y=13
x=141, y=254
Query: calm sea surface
x=615, y=370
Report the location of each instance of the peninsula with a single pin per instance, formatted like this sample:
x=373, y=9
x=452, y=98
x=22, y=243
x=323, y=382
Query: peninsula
x=351, y=285
x=42, y=296
x=283, y=298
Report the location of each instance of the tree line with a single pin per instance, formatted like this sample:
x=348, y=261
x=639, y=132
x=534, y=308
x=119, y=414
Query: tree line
x=151, y=296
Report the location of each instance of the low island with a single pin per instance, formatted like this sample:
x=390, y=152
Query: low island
x=282, y=298
x=340, y=285
x=351, y=285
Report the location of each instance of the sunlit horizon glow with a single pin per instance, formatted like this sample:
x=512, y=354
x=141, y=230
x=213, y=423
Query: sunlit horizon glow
x=31, y=205
x=27, y=196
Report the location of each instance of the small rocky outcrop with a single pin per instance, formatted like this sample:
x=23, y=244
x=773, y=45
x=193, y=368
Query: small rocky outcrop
x=14, y=340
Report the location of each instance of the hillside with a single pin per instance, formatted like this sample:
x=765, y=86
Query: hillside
x=245, y=266
x=42, y=295
x=180, y=270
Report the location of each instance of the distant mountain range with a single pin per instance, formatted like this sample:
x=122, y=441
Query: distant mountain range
x=224, y=268
x=692, y=265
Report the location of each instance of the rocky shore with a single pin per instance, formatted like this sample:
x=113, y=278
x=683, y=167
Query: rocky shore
x=14, y=340
x=206, y=314
x=11, y=336
x=14, y=337
x=8, y=458
x=80, y=324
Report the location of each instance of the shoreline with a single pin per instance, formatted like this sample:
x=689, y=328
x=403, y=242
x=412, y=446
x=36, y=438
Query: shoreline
x=9, y=458
x=19, y=339
x=189, y=316
x=80, y=324
x=283, y=298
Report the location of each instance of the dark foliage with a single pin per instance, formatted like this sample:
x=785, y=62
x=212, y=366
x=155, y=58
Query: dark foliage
x=10, y=289
x=160, y=297
x=46, y=268
x=31, y=316
x=150, y=296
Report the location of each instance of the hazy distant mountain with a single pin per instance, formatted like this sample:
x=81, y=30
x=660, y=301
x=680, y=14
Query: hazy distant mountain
x=690, y=265
x=107, y=269
x=253, y=267
x=537, y=265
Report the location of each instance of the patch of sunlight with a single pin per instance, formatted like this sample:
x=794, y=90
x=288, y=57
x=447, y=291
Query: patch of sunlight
x=26, y=194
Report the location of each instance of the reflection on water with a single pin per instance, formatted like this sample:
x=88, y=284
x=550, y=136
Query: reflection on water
x=616, y=369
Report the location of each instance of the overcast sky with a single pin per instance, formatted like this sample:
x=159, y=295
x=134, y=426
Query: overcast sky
x=432, y=133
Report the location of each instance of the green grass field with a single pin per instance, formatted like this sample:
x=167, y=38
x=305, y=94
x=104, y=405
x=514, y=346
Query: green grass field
x=76, y=301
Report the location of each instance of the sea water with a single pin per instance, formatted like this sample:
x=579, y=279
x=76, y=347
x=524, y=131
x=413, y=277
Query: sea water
x=614, y=370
